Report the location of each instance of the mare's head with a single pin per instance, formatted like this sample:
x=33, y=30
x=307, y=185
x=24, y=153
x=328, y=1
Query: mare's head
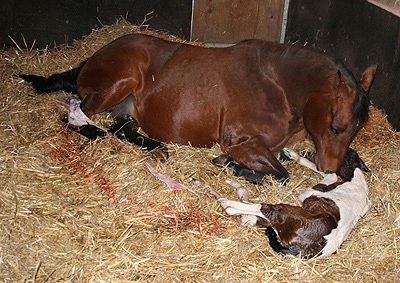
x=333, y=117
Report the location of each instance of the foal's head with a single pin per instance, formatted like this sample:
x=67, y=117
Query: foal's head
x=333, y=118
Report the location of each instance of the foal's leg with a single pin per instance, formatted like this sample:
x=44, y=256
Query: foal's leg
x=291, y=154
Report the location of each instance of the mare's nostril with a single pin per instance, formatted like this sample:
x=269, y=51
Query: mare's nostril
x=317, y=165
x=329, y=172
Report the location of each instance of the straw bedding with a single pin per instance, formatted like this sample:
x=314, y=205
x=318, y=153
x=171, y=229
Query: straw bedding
x=81, y=211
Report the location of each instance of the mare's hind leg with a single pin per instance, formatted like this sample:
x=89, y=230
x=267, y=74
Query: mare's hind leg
x=126, y=127
x=79, y=122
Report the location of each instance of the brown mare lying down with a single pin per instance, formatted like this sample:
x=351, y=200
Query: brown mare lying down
x=253, y=99
x=329, y=212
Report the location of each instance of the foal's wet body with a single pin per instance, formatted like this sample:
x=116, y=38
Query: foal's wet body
x=253, y=98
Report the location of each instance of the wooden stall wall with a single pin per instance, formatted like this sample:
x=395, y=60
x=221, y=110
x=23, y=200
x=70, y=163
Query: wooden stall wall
x=230, y=21
x=360, y=33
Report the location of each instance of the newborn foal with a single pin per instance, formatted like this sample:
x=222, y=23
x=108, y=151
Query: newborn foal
x=329, y=212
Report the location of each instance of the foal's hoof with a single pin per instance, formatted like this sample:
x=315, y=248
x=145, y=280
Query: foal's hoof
x=310, y=155
x=283, y=155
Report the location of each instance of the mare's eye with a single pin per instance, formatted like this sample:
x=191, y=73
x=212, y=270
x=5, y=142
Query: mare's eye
x=334, y=130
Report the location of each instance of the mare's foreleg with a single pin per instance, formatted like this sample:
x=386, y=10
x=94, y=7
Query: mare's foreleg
x=238, y=169
x=255, y=160
x=125, y=128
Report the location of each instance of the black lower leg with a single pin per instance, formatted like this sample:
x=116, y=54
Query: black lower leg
x=238, y=169
x=126, y=128
x=90, y=131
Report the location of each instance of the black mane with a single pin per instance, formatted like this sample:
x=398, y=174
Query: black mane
x=361, y=102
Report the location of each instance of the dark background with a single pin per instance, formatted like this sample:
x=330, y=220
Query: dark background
x=355, y=30
x=62, y=21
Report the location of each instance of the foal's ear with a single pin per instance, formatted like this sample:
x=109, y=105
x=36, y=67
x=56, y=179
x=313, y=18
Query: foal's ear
x=368, y=77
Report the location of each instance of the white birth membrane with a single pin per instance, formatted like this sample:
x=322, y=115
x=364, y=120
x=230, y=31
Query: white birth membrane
x=76, y=117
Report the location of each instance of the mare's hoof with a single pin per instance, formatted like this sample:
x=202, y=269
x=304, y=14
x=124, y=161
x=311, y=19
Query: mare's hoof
x=90, y=131
x=284, y=180
x=222, y=160
x=240, y=170
x=160, y=154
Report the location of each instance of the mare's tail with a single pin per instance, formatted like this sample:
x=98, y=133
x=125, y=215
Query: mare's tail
x=63, y=81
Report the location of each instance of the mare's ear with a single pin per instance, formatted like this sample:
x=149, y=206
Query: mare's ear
x=368, y=77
